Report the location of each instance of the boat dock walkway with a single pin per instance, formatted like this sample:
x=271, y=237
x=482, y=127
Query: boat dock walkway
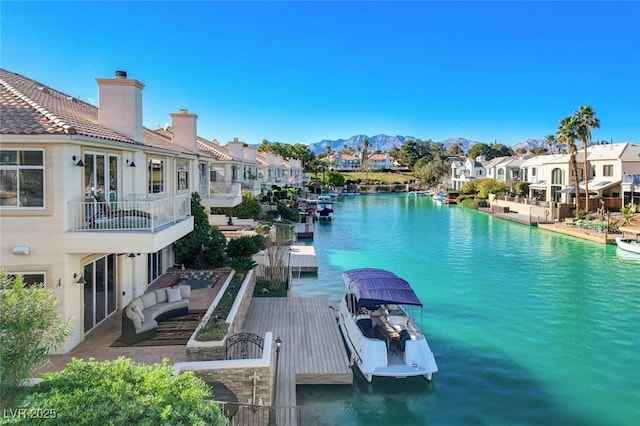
x=312, y=349
x=303, y=259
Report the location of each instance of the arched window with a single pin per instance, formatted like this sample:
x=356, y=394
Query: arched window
x=557, y=177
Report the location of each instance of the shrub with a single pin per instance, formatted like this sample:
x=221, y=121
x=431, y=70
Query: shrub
x=204, y=247
x=214, y=329
x=121, y=392
x=469, y=203
x=242, y=265
x=30, y=328
x=245, y=246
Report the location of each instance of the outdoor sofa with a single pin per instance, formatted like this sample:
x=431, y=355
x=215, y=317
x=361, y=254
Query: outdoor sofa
x=141, y=316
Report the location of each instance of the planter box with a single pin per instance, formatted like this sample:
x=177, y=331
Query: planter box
x=214, y=350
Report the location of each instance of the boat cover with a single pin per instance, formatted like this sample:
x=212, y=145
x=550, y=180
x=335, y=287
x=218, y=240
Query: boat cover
x=373, y=287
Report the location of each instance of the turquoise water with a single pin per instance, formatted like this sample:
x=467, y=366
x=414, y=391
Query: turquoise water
x=527, y=326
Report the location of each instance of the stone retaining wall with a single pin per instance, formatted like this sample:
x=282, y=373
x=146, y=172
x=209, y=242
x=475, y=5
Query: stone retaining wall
x=238, y=375
x=214, y=350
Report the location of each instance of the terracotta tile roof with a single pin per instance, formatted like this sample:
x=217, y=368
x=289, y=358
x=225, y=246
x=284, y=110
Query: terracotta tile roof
x=213, y=150
x=377, y=157
x=30, y=108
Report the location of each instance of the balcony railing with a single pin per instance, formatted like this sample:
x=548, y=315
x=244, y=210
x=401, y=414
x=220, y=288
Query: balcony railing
x=221, y=188
x=632, y=179
x=139, y=213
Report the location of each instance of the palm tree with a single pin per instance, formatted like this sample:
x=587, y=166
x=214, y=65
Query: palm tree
x=567, y=135
x=551, y=141
x=365, y=153
x=585, y=120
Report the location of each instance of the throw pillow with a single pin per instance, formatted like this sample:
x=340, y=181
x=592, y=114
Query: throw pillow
x=173, y=295
x=133, y=317
x=137, y=311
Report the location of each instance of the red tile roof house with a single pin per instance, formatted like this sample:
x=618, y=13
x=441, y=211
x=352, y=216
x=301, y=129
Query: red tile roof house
x=83, y=187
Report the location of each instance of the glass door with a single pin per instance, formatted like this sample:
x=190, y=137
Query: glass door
x=99, y=291
x=101, y=177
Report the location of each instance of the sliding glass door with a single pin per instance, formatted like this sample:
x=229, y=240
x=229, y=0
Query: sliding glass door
x=99, y=291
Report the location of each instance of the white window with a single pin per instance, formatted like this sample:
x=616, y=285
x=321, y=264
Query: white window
x=156, y=176
x=183, y=174
x=21, y=178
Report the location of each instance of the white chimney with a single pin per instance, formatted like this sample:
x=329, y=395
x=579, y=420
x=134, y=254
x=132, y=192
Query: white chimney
x=184, y=128
x=121, y=105
x=250, y=154
x=235, y=149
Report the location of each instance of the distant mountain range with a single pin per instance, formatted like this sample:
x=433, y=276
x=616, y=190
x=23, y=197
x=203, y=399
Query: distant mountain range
x=385, y=143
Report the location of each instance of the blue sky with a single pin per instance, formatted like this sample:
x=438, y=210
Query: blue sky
x=306, y=71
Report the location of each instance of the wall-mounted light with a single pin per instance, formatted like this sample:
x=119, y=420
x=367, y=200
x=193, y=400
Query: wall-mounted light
x=79, y=279
x=130, y=163
x=79, y=163
x=21, y=250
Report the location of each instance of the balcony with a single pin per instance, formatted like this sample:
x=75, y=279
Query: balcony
x=222, y=195
x=631, y=179
x=140, y=224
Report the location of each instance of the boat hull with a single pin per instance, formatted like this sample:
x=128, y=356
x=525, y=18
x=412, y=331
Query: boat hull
x=627, y=244
x=374, y=356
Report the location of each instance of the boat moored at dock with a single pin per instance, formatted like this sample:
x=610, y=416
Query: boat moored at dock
x=378, y=330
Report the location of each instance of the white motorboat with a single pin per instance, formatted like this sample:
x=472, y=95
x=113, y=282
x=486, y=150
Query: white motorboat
x=324, y=208
x=628, y=244
x=391, y=344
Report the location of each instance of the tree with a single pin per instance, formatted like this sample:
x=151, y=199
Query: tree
x=280, y=238
x=30, y=328
x=431, y=172
x=365, y=153
x=585, y=120
x=479, y=149
x=490, y=186
x=566, y=134
x=122, y=392
x=204, y=247
x=335, y=178
x=469, y=188
x=551, y=141
x=522, y=188
x=249, y=207
x=245, y=246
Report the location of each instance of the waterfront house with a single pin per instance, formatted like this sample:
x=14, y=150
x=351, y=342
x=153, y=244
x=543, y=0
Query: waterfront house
x=466, y=170
x=380, y=161
x=91, y=201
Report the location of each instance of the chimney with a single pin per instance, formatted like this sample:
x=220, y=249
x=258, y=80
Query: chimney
x=185, y=134
x=249, y=153
x=235, y=149
x=121, y=105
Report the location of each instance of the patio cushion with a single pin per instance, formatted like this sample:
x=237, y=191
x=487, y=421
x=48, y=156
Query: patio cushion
x=173, y=295
x=185, y=291
x=137, y=302
x=134, y=317
x=149, y=299
x=137, y=311
x=161, y=295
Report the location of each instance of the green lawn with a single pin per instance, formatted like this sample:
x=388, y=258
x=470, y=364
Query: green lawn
x=383, y=178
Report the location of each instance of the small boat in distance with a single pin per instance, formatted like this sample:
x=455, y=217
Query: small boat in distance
x=375, y=321
x=628, y=244
x=324, y=208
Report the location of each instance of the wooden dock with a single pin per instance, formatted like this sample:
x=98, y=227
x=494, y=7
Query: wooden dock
x=312, y=349
x=303, y=259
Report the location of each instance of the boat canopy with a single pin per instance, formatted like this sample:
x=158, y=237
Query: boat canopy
x=373, y=287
